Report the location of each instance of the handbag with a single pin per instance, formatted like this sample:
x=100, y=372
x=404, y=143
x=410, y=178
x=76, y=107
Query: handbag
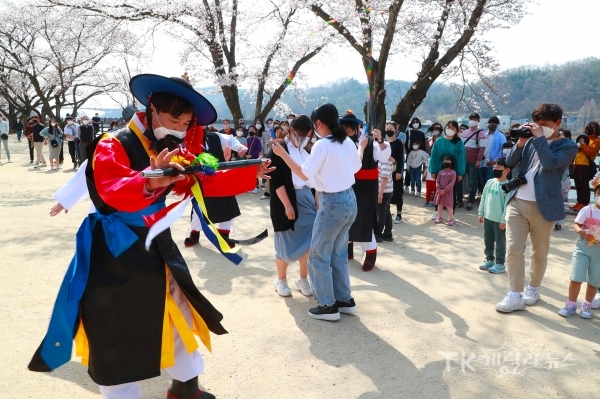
x=592, y=168
x=4, y=136
x=54, y=143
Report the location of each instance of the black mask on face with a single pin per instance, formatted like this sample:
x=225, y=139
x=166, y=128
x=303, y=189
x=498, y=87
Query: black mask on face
x=498, y=173
x=447, y=165
x=170, y=142
x=389, y=133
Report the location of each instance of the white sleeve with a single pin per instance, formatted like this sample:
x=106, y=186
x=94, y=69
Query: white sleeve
x=382, y=155
x=582, y=215
x=314, y=162
x=74, y=191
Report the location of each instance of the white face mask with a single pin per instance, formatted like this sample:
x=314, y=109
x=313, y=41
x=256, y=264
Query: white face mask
x=70, y=122
x=435, y=133
x=313, y=140
x=450, y=132
x=53, y=123
x=473, y=123
x=258, y=126
x=505, y=152
x=415, y=125
x=239, y=133
x=548, y=131
x=162, y=132
x=285, y=128
x=85, y=121
x=415, y=147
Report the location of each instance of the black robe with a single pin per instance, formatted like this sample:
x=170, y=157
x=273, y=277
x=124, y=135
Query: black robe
x=366, y=192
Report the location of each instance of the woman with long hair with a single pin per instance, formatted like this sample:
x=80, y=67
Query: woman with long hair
x=330, y=167
x=53, y=135
x=293, y=207
x=451, y=144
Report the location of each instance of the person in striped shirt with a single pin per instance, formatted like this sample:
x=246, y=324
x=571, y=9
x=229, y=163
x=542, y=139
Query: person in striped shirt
x=386, y=190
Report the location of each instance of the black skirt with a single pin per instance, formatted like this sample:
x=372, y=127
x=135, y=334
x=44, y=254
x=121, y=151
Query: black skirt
x=366, y=200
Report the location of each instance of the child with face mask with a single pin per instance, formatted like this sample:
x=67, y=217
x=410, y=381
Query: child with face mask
x=585, y=265
x=415, y=161
x=444, y=198
x=492, y=213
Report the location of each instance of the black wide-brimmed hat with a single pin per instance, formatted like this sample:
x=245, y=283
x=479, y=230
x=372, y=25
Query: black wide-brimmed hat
x=142, y=86
x=349, y=117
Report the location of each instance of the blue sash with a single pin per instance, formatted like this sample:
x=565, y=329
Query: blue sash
x=58, y=342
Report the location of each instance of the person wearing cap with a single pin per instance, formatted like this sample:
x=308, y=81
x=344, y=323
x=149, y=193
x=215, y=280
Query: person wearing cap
x=493, y=149
x=70, y=131
x=96, y=123
x=131, y=306
x=474, y=139
x=366, y=190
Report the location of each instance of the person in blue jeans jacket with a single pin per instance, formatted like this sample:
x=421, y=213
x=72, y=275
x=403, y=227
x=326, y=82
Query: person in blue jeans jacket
x=330, y=167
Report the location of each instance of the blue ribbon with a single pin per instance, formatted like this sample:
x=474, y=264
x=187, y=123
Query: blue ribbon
x=58, y=342
x=233, y=257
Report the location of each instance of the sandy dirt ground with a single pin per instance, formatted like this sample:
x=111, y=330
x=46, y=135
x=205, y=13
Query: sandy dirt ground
x=426, y=325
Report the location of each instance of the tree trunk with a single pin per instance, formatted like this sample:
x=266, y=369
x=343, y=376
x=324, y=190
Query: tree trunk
x=231, y=95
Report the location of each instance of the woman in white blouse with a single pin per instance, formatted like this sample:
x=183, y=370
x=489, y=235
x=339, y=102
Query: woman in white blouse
x=331, y=166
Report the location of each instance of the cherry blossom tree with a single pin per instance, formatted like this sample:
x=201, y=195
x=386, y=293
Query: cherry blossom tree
x=221, y=41
x=51, y=61
x=444, y=35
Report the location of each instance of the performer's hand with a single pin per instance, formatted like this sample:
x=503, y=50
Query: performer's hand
x=262, y=170
x=227, y=153
x=289, y=212
x=242, y=151
x=276, y=147
x=56, y=209
x=163, y=161
x=363, y=142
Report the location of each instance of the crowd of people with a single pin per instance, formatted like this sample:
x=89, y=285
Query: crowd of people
x=330, y=182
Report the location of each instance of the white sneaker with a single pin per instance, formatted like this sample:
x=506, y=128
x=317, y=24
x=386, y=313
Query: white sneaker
x=52, y=168
x=36, y=166
x=596, y=301
x=406, y=190
x=434, y=216
x=255, y=191
x=282, y=287
x=531, y=295
x=264, y=197
x=304, y=285
x=510, y=303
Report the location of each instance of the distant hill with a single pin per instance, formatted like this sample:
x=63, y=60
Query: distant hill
x=571, y=85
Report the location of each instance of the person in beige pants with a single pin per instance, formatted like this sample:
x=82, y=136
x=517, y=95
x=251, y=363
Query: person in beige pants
x=540, y=158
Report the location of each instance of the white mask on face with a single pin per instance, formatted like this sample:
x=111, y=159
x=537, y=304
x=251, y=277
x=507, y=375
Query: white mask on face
x=53, y=123
x=548, y=131
x=415, y=125
x=505, y=152
x=450, y=132
x=435, y=133
x=70, y=122
x=239, y=133
x=313, y=140
x=85, y=121
x=162, y=132
x=258, y=126
x=415, y=147
x=285, y=128
x=473, y=123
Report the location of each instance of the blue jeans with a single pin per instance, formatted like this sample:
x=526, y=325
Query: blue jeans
x=415, y=178
x=473, y=181
x=485, y=173
x=328, y=257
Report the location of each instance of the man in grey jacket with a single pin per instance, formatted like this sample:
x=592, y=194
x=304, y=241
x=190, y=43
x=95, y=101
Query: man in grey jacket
x=533, y=208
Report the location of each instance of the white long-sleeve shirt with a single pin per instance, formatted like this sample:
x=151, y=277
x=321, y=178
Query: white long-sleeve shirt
x=4, y=127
